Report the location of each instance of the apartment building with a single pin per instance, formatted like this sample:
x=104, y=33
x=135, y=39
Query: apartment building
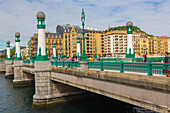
x=140, y=43
x=69, y=34
x=158, y=45
x=94, y=39
x=50, y=38
x=168, y=44
x=115, y=43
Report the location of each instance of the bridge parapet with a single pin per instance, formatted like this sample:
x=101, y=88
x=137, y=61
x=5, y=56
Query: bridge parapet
x=154, y=82
x=2, y=66
x=29, y=65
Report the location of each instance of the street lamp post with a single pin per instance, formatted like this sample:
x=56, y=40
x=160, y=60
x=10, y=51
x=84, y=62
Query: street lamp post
x=83, y=56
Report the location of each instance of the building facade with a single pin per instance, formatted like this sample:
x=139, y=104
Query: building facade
x=159, y=45
x=115, y=43
x=168, y=44
x=69, y=35
x=140, y=43
x=94, y=38
x=50, y=38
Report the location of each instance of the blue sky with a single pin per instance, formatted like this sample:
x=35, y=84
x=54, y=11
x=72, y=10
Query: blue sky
x=152, y=16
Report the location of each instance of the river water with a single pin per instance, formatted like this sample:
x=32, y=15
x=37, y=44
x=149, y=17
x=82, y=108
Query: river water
x=19, y=100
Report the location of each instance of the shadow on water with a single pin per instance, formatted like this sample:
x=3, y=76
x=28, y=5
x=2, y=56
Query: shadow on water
x=19, y=100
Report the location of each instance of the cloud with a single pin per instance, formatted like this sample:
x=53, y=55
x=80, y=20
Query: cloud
x=151, y=16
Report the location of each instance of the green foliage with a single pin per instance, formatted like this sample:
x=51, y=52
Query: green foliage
x=74, y=55
x=23, y=58
x=12, y=51
x=117, y=58
x=103, y=55
x=1, y=56
x=64, y=56
x=124, y=28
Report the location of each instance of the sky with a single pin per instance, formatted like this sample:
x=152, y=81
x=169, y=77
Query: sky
x=152, y=16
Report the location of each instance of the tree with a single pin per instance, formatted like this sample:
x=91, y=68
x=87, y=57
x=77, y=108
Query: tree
x=12, y=51
x=124, y=28
x=23, y=58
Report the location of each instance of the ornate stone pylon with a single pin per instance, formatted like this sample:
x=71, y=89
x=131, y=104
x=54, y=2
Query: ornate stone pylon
x=8, y=57
x=54, y=51
x=78, y=48
x=9, y=71
x=42, y=50
x=129, y=52
x=17, y=46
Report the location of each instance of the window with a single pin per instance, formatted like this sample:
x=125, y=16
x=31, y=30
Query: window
x=74, y=47
x=46, y=35
x=73, y=43
x=73, y=35
x=73, y=39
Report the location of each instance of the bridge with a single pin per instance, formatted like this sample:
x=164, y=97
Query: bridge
x=140, y=84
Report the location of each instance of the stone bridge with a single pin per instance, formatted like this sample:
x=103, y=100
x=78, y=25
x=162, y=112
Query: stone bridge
x=56, y=84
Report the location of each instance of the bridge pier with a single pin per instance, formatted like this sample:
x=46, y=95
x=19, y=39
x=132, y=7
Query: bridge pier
x=48, y=92
x=9, y=71
x=21, y=79
x=2, y=66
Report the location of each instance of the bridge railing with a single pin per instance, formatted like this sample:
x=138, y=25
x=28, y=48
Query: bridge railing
x=139, y=67
x=150, y=68
x=63, y=63
x=1, y=60
x=152, y=59
x=110, y=59
x=26, y=61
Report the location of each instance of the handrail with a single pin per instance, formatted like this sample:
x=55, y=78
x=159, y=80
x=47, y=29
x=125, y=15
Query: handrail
x=139, y=67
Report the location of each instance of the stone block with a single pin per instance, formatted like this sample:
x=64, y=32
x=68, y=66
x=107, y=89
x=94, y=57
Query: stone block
x=83, y=66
